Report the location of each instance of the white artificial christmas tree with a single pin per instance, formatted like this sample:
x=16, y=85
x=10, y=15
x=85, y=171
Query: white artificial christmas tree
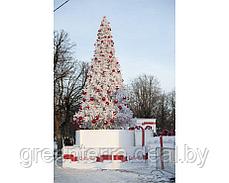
x=104, y=102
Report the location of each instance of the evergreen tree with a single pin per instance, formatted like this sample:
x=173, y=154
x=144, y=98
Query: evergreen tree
x=104, y=102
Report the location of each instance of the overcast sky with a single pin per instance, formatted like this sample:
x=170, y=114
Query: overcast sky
x=143, y=33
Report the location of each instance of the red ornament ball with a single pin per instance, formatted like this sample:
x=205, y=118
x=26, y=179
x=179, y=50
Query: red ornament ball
x=80, y=118
x=107, y=103
x=103, y=99
x=113, y=70
x=93, y=121
x=92, y=99
x=115, y=101
x=120, y=107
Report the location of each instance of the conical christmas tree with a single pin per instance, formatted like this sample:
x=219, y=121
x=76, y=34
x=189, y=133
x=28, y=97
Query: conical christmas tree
x=104, y=102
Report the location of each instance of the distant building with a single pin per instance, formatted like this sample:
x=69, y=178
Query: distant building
x=147, y=123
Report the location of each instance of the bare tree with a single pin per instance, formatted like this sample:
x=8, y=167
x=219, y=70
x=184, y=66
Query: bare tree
x=166, y=112
x=144, y=96
x=148, y=101
x=69, y=79
x=162, y=113
x=172, y=109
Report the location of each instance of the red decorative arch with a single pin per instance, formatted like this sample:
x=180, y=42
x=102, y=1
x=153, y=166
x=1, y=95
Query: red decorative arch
x=148, y=128
x=143, y=133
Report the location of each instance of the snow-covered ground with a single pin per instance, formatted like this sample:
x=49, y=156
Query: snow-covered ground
x=135, y=175
x=138, y=172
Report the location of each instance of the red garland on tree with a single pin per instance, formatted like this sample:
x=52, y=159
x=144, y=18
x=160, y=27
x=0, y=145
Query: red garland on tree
x=103, y=82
